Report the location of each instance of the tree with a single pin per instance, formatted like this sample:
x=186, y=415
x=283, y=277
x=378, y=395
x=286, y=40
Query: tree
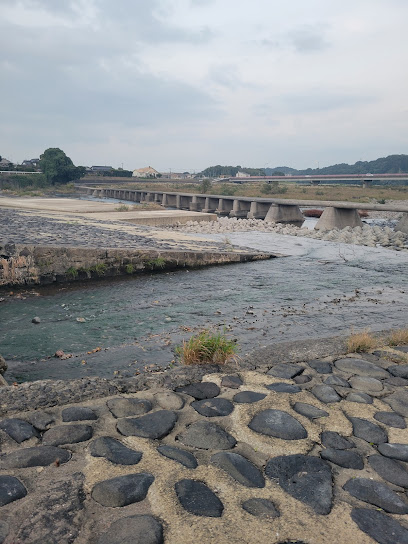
x=58, y=168
x=205, y=186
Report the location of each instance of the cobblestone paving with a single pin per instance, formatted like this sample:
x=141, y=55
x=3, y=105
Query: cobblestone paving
x=313, y=452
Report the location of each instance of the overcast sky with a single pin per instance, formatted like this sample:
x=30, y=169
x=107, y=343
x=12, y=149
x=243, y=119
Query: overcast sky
x=185, y=84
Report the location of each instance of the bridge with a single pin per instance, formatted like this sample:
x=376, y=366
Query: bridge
x=336, y=214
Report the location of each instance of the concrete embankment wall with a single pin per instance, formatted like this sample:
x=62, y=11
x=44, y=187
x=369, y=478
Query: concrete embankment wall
x=24, y=265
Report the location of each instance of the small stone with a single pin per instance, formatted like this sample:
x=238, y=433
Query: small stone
x=343, y=458
x=122, y=490
x=41, y=420
x=380, y=527
x=78, y=413
x=198, y=499
x=18, y=429
x=124, y=407
x=248, y=397
x=206, y=436
x=308, y=410
x=283, y=388
x=394, y=451
x=362, y=398
x=114, y=451
x=398, y=382
x=399, y=371
x=213, y=407
x=306, y=478
x=303, y=378
x=155, y=425
x=370, y=432
x=336, y=380
x=169, y=400
x=377, y=494
x=232, y=382
x=239, y=468
x=40, y=456
x=261, y=508
x=390, y=470
x=67, y=434
x=36, y=320
x=278, y=424
x=366, y=384
x=142, y=529
x=331, y=439
x=361, y=368
x=322, y=367
x=325, y=393
x=183, y=457
x=391, y=419
x=4, y=531
x=286, y=370
x=200, y=390
x=11, y=489
x=399, y=402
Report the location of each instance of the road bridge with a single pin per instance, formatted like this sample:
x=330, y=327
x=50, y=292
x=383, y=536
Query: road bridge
x=336, y=214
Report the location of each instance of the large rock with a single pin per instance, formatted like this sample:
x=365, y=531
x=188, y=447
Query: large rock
x=336, y=380
x=155, y=425
x=370, y=432
x=394, y=451
x=11, y=489
x=18, y=429
x=213, y=407
x=198, y=499
x=169, y=400
x=78, y=413
x=282, y=387
x=124, y=407
x=366, y=384
x=400, y=371
x=183, y=457
x=399, y=402
x=239, y=468
x=380, y=527
x=325, y=393
x=200, y=390
x=41, y=420
x=114, y=451
x=67, y=434
x=248, y=397
x=232, y=382
x=207, y=436
x=390, y=470
x=278, y=424
x=377, y=494
x=286, y=370
x=40, y=456
x=308, y=410
x=360, y=367
x=331, y=439
x=122, y=490
x=322, y=367
x=306, y=478
x=343, y=458
x=391, y=419
x=134, y=530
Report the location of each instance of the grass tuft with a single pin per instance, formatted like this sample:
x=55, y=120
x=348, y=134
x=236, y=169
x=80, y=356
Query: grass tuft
x=207, y=347
x=398, y=337
x=361, y=342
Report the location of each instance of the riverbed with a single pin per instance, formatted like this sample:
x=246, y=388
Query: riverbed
x=126, y=326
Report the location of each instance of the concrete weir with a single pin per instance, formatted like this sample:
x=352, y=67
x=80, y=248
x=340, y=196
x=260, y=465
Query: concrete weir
x=337, y=215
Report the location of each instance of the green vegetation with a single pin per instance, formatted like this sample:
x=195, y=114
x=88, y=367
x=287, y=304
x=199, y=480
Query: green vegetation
x=366, y=341
x=205, y=186
x=100, y=269
x=207, y=347
x=58, y=168
x=156, y=264
x=228, y=190
x=129, y=269
x=122, y=208
x=273, y=189
x=231, y=171
x=72, y=273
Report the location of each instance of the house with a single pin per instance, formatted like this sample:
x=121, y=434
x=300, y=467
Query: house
x=4, y=163
x=147, y=172
x=242, y=175
x=33, y=163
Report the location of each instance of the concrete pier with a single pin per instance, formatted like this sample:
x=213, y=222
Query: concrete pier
x=258, y=210
x=338, y=218
x=281, y=213
x=224, y=206
x=240, y=208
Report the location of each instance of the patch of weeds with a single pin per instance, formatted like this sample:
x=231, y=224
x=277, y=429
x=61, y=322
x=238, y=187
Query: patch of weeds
x=398, y=337
x=361, y=342
x=72, y=273
x=381, y=201
x=122, y=208
x=129, y=268
x=207, y=347
x=100, y=269
x=156, y=264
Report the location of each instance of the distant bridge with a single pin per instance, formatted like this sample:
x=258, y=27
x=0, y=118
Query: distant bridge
x=336, y=214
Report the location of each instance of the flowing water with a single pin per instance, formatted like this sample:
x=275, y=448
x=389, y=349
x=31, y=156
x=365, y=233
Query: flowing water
x=320, y=289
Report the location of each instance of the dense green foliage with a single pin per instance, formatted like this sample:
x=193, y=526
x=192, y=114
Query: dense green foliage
x=119, y=173
x=58, y=168
x=216, y=171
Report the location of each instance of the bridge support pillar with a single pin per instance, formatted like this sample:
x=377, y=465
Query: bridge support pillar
x=402, y=224
x=338, y=218
x=240, y=208
x=285, y=213
x=194, y=205
x=224, y=207
x=209, y=206
x=258, y=210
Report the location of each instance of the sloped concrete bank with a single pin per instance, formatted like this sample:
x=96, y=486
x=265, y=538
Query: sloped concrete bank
x=22, y=265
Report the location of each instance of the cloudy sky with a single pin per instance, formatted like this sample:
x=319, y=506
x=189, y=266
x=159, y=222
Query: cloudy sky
x=185, y=84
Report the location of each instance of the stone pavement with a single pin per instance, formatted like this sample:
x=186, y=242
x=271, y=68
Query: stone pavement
x=309, y=452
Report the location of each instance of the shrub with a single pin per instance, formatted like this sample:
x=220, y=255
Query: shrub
x=72, y=273
x=273, y=189
x=122, y=208
x=156, y=264
x=398, y=337
x=129, y=268
x=207, y=348
x=361, y=341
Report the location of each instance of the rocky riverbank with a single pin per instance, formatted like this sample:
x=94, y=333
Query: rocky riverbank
x=371, y=236
x=305, y=445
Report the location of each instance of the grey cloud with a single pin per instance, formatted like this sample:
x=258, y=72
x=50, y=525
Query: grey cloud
x=319, y=101
x=309, y=39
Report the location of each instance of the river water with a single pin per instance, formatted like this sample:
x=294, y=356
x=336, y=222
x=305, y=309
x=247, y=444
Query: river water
x=319, y=289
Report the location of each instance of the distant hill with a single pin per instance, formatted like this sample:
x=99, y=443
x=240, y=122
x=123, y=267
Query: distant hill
x=393, y=164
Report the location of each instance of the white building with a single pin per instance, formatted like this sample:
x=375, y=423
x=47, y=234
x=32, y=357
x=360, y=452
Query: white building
x=147, y=172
